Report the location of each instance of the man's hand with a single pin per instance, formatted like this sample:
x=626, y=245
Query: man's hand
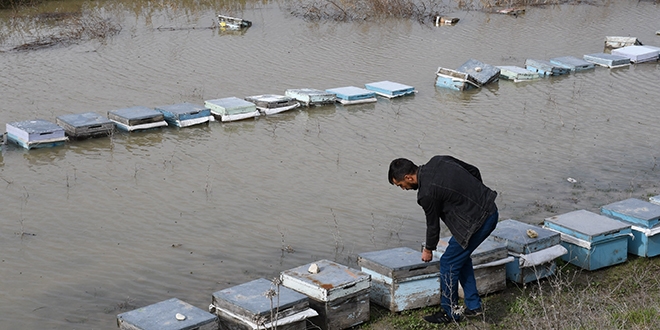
x=427, y=255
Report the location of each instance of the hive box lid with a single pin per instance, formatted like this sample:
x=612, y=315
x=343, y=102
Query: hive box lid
x=135, y=115
x=481, y=72
x=271, y=100
x=397, y=263
x=230, y=105
x=488, y=251
x=608, y=60
x=250, y=300
x=635, y=211
x=572, y=63
x=162, y=316
x=182, y=109
x=637, y=54
x=351, y=93
x=545, y=67
x=37, y=129
x=513, y=234
x=331, y=282
x=516, y=73
x=389, y=88
x=84, y=119
x=587, y=225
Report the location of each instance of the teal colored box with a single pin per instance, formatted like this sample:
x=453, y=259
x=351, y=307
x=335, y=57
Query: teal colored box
x=593, y=241
x=573, y=63
x=390, y=89
x=545, y=68
x=400, y=280
x=185, y=114
x=644, y=218
x=172, y=314
x=456, y=80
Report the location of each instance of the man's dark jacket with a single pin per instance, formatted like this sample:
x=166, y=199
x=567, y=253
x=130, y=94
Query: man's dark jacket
x=452, y=190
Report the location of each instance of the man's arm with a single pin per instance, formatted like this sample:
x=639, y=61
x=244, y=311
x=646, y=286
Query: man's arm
x=432, y=222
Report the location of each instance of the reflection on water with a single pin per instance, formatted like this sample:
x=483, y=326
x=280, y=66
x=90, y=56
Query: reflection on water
x=136, y=218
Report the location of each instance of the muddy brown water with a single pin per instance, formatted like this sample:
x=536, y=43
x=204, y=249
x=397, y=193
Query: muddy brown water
x=103, y=226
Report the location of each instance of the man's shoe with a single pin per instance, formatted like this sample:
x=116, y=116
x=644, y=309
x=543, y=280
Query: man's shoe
x=473, y=312
x=439, y=318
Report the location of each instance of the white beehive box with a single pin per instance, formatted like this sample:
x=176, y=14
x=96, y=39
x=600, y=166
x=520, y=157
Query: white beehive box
x=172, y=314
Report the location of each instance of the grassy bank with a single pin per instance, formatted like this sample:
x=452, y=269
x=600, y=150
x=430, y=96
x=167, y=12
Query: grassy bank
x=625, y=296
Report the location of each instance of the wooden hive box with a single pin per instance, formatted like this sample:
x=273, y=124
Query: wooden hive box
x=644, y=218
x=572, y=63
x=517, y=74
x=248, y=306
x=339, y=294
x=481, y=72
x=637, y=54
x=489, y=261
x=353, y=95
x=85, y=125
x=36, y=133
x=311, y=97
x=185, y=114
x=390, y=89
x=452, y=79
x=618, y=42
x=607, y=60
x=270, y=104
x=534, y=257
x=172, y=314
x=545, y=68
x=232, y=109
x=137, y=118
x=400, y=280
x=593, y=241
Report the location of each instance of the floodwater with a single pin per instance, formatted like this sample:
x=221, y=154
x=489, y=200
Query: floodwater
x=103, y=226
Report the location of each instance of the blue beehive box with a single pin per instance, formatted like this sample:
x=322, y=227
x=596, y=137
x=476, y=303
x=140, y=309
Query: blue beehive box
x=644, y=218
x=638, y=54
x=232, y=109
x=534, y=250
x=517, y=74
x=572, y=63
x=185, y=114
x=452, y=79
x=339, y=294
x=353, y=95
x=545, y=68
x=85, y=125
x=311, y=97
x=137, y=118
x=250, y=306
x=390, y=89
x=172, y=314
x=489, y=262
x=593, y=241
x=480, y=72
x=607, y=60
x=270, y=104
x=36, y=133
x=400, y=280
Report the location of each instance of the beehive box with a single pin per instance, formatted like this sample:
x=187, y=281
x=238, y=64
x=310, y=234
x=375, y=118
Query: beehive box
x=489, y=262
x=607, y=60
x=545, y=68
x=339, y=294
x=572, y=63
x=593, y=241
x=85, y=125
x=172, y=314
x=618, y=42
x=259, y=304
x=517, y=74
x=390, y=89
x=534, y=250
x=637, y=54
x=644, y=218
x=270, y=104
x=400, y=280
x=36, y=133
x=353, y=95
x=185, y=114
x=452, y=79
x=136, y=118
x=231, y=109
x=655, y=199
x=481, y=72
x=311, y=97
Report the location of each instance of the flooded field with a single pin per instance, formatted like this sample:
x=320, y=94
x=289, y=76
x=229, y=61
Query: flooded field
x=103, y=226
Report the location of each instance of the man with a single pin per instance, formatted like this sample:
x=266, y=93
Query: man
x=451, y=190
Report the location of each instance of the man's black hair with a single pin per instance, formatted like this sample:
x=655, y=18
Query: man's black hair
x=399, y=168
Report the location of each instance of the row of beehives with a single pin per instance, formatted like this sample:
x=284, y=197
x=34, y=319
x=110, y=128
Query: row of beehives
x=475, y=74
x=329, y=295
x=40, y=133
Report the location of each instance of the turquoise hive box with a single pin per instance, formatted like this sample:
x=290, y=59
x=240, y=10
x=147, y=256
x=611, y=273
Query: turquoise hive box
x=644, y=218
x=390, y=89
x=593, y=241
x=400, y=280
x=185, y=114
x=353, y=95
x=545, y=68
x=232, y=109
x=573, y=63
x=172, y=314
x=534, y=250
